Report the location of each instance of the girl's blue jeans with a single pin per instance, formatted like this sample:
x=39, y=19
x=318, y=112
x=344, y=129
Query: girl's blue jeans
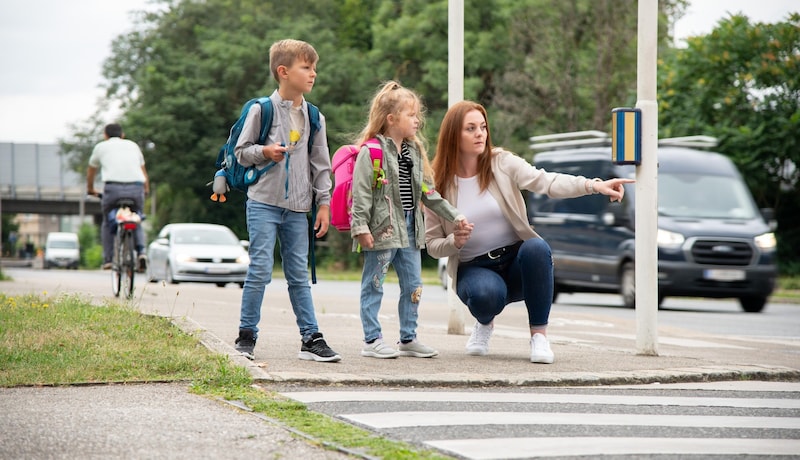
x=407, y=263
x=487, y=286
x=265, y=224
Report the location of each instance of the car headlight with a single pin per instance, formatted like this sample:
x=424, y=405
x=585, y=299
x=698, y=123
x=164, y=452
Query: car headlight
x=243, y=259
x=766, y=241
x=669, y=240
x=185, y=258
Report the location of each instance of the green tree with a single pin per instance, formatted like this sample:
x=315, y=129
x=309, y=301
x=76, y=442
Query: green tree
x=741, y=84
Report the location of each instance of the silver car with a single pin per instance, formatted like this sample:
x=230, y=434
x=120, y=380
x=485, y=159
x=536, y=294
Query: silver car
x=200, y=253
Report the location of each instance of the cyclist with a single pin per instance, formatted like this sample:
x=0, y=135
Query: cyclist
x=121, y=165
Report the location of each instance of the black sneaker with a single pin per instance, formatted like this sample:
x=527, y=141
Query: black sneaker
x=246, y=343
x=315, y=349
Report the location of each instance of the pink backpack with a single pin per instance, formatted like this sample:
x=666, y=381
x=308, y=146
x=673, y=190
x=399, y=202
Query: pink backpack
x=343, y=163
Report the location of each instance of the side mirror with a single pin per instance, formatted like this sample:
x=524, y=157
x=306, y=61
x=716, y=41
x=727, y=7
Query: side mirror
x=768, y=214
x=162, y=241
x=616, y=215
x=245, y=244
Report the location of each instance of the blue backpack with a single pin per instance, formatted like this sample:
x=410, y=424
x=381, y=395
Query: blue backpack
x=230, y=173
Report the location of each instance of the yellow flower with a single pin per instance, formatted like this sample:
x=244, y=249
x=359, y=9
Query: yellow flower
x=294, y=136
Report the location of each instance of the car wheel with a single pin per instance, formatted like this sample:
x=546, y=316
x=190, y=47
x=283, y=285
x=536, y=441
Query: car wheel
x=241, y=285
x=222, y=285
x=555, y=292
x=752, y=304
x=169, y=275
x=627, y=285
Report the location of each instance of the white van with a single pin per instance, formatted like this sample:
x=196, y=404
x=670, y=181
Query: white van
x=62, y=250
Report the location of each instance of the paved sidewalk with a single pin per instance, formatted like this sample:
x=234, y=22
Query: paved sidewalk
x=165, y=421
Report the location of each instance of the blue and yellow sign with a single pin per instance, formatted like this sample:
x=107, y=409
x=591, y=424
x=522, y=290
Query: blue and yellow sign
x=626, y=136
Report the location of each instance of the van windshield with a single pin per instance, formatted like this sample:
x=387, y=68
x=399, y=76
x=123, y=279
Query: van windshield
x=703, y=196
x=62, y=244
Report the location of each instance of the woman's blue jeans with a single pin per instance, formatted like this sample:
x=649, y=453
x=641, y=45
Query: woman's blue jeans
x=407, y=263
x=265, y=224
x=486, y=287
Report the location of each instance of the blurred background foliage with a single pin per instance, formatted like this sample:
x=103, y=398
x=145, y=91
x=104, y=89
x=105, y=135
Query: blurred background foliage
x=539, y=66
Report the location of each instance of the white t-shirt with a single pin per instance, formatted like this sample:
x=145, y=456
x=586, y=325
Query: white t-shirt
x=119, y=160
x=492, y=229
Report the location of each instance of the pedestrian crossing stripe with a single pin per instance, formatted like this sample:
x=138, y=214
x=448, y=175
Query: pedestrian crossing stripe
x=383, y=420
x=511, y=448
x=309, y=397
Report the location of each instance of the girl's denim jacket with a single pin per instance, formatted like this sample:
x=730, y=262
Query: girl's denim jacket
x=378, y=209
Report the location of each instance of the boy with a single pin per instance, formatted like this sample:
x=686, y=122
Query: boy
x=277, y=204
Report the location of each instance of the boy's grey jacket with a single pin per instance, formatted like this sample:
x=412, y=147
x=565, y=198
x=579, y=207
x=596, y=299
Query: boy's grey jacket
x=379, y=210
x=307, y=172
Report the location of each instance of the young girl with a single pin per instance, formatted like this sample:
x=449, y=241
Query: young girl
x=387, y=222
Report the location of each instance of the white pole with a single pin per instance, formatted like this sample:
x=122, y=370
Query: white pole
x=455, y=51
x=647, y=183
x=455, y=93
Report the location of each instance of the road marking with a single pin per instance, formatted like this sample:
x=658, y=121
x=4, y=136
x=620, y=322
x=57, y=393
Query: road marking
x=510, y=448
x=384, y=420
x=622, y=400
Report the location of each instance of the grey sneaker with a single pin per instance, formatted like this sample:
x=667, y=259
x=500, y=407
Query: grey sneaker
x=540, y=350
x=416, y=349
x=316, y=349
x=246, y=343
x=378, y=349
x=478, y=343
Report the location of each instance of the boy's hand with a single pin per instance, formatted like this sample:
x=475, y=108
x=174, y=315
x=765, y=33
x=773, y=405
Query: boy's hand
x=274, y=152
x=365, y=240
x=323, y=221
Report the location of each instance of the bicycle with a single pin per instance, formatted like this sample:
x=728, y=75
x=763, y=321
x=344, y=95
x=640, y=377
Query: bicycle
x=124, y=261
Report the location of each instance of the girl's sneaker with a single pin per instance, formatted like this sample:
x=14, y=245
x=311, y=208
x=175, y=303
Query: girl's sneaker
x=416, y=349
x=378, y=349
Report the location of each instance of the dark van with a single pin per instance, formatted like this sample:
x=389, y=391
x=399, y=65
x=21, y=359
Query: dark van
x=712, y=239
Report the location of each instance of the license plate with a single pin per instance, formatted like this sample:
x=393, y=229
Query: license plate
x=217, y=271
x=724, y=275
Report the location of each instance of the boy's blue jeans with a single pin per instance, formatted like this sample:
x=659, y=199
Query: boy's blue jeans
x=487, y=286
x=265, y=223
x=407, y=263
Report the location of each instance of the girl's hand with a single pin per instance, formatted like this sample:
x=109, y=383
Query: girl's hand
x=274, y=152
x=365, y=240
x=462, y=233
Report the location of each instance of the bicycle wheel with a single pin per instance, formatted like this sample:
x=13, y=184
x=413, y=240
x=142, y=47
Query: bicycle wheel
x=116, y=273
x=128, y=265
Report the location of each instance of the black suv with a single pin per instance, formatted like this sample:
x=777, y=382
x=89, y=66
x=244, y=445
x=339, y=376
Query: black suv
x=712, y=239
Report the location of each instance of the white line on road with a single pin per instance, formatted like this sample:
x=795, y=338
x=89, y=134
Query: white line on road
x=510, y=448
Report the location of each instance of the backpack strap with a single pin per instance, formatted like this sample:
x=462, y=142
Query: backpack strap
x=313, y=120
x=376, y=155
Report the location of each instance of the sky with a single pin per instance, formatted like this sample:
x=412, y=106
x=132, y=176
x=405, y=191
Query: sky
x=51, y=55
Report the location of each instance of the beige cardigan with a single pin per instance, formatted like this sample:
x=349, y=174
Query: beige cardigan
x=511, y=174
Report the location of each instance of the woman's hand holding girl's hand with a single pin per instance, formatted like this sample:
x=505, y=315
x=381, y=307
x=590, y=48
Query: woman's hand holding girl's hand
x=462, y=233
x=365, y=240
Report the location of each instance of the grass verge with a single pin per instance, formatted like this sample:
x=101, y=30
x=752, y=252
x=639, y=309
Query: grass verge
x=67, y=340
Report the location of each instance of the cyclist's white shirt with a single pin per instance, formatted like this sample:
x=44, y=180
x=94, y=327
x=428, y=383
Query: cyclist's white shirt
x=119, y=160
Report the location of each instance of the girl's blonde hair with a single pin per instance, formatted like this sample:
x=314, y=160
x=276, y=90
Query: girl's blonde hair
x=445, y=161
x=391, y=99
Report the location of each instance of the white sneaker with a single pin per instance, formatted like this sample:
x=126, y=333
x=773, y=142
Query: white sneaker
x=416, y=349
x=378, y=349
x=478, y=343
x=540, y=350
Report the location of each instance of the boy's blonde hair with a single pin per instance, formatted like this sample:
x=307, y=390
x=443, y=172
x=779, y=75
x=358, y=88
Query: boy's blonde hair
x=285, y=52
x=391, y=99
